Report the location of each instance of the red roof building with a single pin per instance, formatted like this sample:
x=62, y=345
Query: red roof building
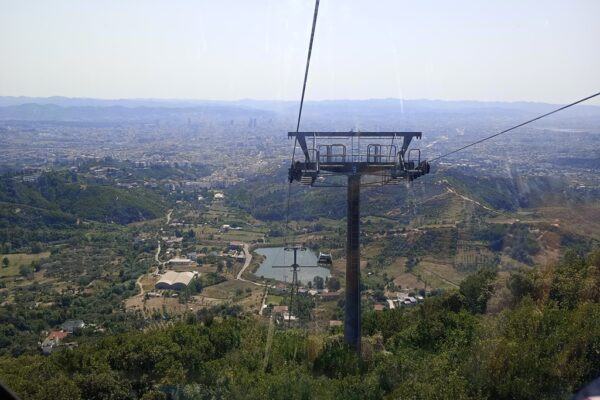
x=57, y=335
x=52, y=342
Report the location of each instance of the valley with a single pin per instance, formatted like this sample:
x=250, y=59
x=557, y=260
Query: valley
x=149, y=243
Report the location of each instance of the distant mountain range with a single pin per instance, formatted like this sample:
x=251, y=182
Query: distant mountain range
x=371, y=105
x=65, y=108
x=114, y=113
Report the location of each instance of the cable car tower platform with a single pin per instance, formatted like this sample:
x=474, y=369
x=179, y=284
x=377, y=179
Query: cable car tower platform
x=383, y=159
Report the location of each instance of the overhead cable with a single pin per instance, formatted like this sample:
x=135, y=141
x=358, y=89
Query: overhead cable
x=516, y=126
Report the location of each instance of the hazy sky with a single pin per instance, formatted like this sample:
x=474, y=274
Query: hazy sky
x=231, y=49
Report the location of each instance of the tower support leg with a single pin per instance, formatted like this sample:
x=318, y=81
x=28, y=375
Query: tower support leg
x=352, y=323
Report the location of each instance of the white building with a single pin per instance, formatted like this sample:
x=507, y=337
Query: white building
x=176, y=261
x=172, y=280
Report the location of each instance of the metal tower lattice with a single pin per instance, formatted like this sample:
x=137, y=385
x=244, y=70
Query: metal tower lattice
x=295, y=267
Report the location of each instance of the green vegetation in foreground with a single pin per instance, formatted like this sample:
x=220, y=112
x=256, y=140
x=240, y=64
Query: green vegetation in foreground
x=540, y=339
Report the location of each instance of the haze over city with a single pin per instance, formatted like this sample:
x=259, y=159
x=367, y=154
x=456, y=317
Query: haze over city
x=229, y=50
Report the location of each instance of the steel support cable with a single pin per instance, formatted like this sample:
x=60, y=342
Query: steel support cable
x=516, y=126
x=310, y=45
x=287, y=216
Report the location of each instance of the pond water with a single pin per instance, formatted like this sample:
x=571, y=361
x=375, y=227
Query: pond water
x=278, y=256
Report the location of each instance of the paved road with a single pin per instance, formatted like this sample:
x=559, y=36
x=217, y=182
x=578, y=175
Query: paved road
x=247, y=261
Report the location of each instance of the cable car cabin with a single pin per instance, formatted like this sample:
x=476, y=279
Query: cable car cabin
x=379, y=154
x=325, y=259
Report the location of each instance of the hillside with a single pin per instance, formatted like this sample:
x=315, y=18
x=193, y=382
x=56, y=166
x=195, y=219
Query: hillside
x=265, y=199
x=64, y=193
x=517, y=336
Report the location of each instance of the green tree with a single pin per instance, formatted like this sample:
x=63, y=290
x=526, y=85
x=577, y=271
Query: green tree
x=568, y=278
x=319, y=282
x=5, y=262
x=36, y=248
x=337, y=360
x=477, y=290
x=102, y=385
x=520, y=285
x=333, y=284
x=25, y=270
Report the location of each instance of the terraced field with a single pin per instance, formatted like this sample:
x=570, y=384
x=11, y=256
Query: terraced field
x=17, y=260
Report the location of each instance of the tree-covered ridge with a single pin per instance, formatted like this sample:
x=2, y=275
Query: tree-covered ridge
x=528, y=334
x=60, y=193
x=266, y=200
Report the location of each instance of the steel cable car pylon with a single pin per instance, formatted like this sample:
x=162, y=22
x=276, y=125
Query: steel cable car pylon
x=328, y=156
